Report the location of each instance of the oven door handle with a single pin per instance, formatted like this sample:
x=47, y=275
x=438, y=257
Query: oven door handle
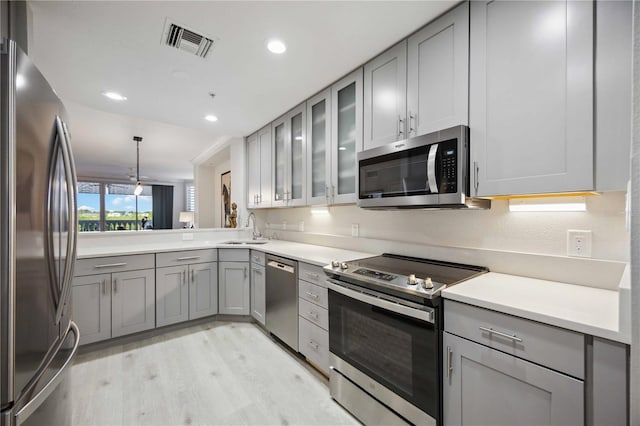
x=424, y=315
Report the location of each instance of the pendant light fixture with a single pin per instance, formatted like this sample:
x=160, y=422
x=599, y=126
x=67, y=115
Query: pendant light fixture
x=138, y=190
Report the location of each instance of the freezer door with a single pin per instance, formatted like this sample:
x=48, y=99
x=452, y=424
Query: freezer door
x=47, y=398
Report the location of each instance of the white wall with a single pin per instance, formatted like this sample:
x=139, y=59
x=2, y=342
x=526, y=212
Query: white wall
x=204, y=178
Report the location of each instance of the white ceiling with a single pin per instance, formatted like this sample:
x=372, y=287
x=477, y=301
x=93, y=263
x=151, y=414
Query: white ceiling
x=84, y=48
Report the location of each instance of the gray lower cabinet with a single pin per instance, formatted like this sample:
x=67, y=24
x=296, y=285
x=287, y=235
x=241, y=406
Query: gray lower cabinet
x=114, y=296
x=172, y=295
x=133, y=307
x=234, y=288
x=313, y=316
x=187, y=285
x=258, y=295
x=483, y=386
x=91, y=299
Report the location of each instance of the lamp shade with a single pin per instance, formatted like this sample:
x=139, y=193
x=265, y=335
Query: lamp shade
x=186, y=217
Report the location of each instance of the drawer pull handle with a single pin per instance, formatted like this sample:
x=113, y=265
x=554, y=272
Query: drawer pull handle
x=188, y=258
x=315, y=296
x=111, y=265
x=314, y=345
x=313, y=314
x=312, y=276
x=256, y=259
x=498, y=333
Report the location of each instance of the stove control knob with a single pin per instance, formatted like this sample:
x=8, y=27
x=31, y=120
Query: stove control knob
x=412, y=280
x=335, y=263
x=427, y=283
x=344, y=265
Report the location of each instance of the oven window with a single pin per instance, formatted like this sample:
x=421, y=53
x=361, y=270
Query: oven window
x=366, y=336
x=397, y=351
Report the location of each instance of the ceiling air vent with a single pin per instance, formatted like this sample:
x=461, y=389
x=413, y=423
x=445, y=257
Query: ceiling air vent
x=185, y=39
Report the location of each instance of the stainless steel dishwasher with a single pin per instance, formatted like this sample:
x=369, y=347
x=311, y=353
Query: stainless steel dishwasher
x=282, y=299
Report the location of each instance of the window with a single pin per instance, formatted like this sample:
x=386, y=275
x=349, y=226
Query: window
x=89, y=206
x=113, y=207
x=190, y=202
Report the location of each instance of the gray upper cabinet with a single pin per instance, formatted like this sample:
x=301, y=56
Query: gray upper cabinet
x=385, y=97
x=483, y=386
x=346, y=135
x=259, y=169
x=531, y=97
x=438, y=74
x=613, y=82
x=289, y=149
x=319, y=148
x=253, y=167
x=133, y=300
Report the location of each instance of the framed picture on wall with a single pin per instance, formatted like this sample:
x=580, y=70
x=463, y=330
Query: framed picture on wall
x=225, y=182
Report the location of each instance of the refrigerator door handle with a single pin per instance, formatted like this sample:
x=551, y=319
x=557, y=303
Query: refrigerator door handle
x=41, y=396
x=72, y=225
x=48, y=231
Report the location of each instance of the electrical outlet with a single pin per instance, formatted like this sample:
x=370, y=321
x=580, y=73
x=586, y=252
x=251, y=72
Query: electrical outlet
x=301, y=226
x=578, y=243
x=355, y=230
x=284, y=225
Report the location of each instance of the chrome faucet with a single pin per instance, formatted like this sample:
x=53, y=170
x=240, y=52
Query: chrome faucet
x=255, y=233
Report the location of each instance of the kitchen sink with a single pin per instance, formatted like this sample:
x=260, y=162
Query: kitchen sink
x=236, y=242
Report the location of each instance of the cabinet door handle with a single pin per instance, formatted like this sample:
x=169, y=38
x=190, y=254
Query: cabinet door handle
x=182, y=275
x=104, y=286
x=411, y=121
x=501, y=334
x=111, y=265
x=188, y=258
x=449, y=363
x=476, y=172
x=313, y=295
x=398, y=128
x=333, y=194
x=193, y=276
x=245, y=272
x=115, y=285
x=314, y=345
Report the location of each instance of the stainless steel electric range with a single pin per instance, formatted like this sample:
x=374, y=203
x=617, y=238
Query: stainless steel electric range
x=385, y=336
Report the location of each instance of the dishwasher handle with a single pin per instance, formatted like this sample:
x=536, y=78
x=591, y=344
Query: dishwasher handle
x=278, y=265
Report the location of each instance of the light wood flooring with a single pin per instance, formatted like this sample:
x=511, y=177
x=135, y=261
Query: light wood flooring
x=217, y=373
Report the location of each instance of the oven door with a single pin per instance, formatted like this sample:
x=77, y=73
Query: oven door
x=399, y=350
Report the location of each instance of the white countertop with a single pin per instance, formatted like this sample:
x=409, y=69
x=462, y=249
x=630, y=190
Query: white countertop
x=583, y=309
x=316, y=255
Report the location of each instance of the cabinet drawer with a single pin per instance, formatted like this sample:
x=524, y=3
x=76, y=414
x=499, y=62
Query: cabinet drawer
x=554, y=347
x=313, y=293
x=257, y=257
x=312, y=273
x=314, y=344
x=317, y=315
x=102, y=265
x=233, y=255
x=175, y=258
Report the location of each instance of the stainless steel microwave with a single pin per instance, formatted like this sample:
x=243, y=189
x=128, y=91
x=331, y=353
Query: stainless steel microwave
x=428, y=171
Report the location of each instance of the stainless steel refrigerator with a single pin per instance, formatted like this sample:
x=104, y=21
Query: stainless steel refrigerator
x=38, y=236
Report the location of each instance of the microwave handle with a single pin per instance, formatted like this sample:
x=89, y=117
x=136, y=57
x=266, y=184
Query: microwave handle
x=431, y=169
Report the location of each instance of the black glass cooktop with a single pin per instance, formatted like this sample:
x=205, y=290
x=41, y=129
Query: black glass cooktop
x=395, y=265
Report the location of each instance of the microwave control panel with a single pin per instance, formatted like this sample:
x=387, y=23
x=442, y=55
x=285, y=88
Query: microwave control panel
x=448, y=162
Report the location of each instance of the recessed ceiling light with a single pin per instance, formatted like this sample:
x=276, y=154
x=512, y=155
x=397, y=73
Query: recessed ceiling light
x=114, y=96
x=20, y=81
x=276, y=46
x=211, y=118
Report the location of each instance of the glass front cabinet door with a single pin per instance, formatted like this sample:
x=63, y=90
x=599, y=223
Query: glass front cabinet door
x=319, y=148
x=289, y=154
